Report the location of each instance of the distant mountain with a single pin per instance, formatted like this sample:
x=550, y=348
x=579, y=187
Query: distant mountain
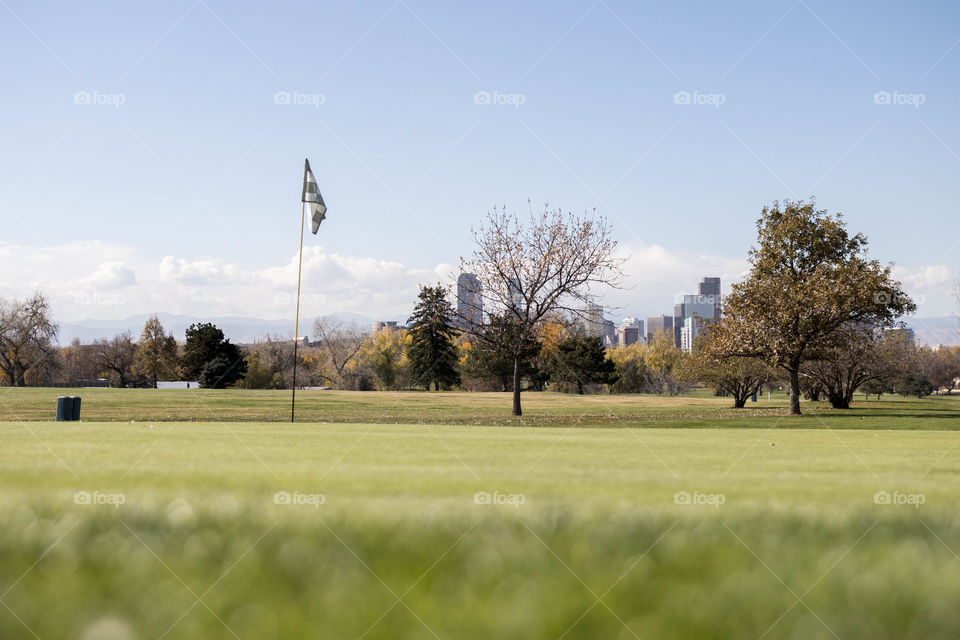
x=933, y=331
x=237, y=329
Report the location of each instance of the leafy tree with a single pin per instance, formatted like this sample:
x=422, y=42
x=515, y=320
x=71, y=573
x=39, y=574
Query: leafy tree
x=383, y=355
x=156, y=354
x=580, y=361
x=665, y=365
x=206, y=343
x=631, y=368
x=339, y=345
x=732, y=375
x=259, y=375
x=27, y=334
x=532, y=271
x=491, y=357
x=913, y=385
x=217, y=373
x=432, y=353
x=808, y=279
x=855, y=356
x=115, y=358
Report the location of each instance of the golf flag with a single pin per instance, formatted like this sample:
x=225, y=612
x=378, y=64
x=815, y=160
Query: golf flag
x=311, y=195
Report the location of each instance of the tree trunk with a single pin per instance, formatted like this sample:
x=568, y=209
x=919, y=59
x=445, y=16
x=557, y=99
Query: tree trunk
x=795, y=391
x=516, y=387
x=739, y=403
x=579, y=388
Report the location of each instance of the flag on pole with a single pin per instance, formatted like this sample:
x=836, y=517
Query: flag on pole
x=311, y=195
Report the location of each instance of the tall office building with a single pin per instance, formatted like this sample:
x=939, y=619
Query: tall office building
x=469, y=301
x=702, y=307
x=656, y=324
x=709, y=291
x=593, y=323
x=629, y=332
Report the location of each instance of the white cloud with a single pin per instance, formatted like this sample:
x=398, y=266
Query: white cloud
x=931, y=287
x=96, y=280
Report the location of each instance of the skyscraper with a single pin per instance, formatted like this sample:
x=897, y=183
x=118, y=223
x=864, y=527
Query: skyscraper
x=709, y=291
x=656, y=324
x=469, y=301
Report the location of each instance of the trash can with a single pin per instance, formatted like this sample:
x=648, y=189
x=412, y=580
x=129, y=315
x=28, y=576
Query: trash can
x=75, y=409
x=64, y=408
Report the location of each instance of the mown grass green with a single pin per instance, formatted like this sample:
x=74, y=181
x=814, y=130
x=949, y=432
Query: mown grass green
x=399, y=548
x=697, y=409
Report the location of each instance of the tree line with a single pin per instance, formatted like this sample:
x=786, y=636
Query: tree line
x=814, y=314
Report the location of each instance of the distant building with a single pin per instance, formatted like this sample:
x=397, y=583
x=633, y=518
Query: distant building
x=469, y=301
x=656, y=324
x=709, y=291
x=629, y=332
x=386, y=325
x=688, y=333
x=593, y=320
x=704, y=305
x=609, y=334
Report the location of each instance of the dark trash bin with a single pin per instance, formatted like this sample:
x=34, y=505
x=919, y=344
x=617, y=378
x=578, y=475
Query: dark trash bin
x=64, y=408
x=75, y=409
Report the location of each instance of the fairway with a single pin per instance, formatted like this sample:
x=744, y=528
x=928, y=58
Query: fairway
x=377, y=531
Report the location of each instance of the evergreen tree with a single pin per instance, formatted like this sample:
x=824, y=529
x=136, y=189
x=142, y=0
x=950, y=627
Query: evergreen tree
x=206, y=343
x=581, y=361
x=432, y=354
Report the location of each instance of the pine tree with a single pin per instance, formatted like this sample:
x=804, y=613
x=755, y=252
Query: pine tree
x=432, y=354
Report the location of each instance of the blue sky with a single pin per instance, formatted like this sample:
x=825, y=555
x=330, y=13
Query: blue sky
x=176, y=188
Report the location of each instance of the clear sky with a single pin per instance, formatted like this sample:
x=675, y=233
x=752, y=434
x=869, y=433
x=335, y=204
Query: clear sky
x=148, y=163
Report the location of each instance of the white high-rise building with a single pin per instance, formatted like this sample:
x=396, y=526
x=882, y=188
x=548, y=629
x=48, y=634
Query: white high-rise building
x=688, y=333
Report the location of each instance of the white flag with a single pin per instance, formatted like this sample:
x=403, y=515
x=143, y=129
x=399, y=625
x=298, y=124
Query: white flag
x=311, y=195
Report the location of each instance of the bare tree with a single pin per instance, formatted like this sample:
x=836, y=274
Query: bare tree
x=530, y=271
x=277, y=355
x=339, y=343
x=115, y=357
x=26, y=337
